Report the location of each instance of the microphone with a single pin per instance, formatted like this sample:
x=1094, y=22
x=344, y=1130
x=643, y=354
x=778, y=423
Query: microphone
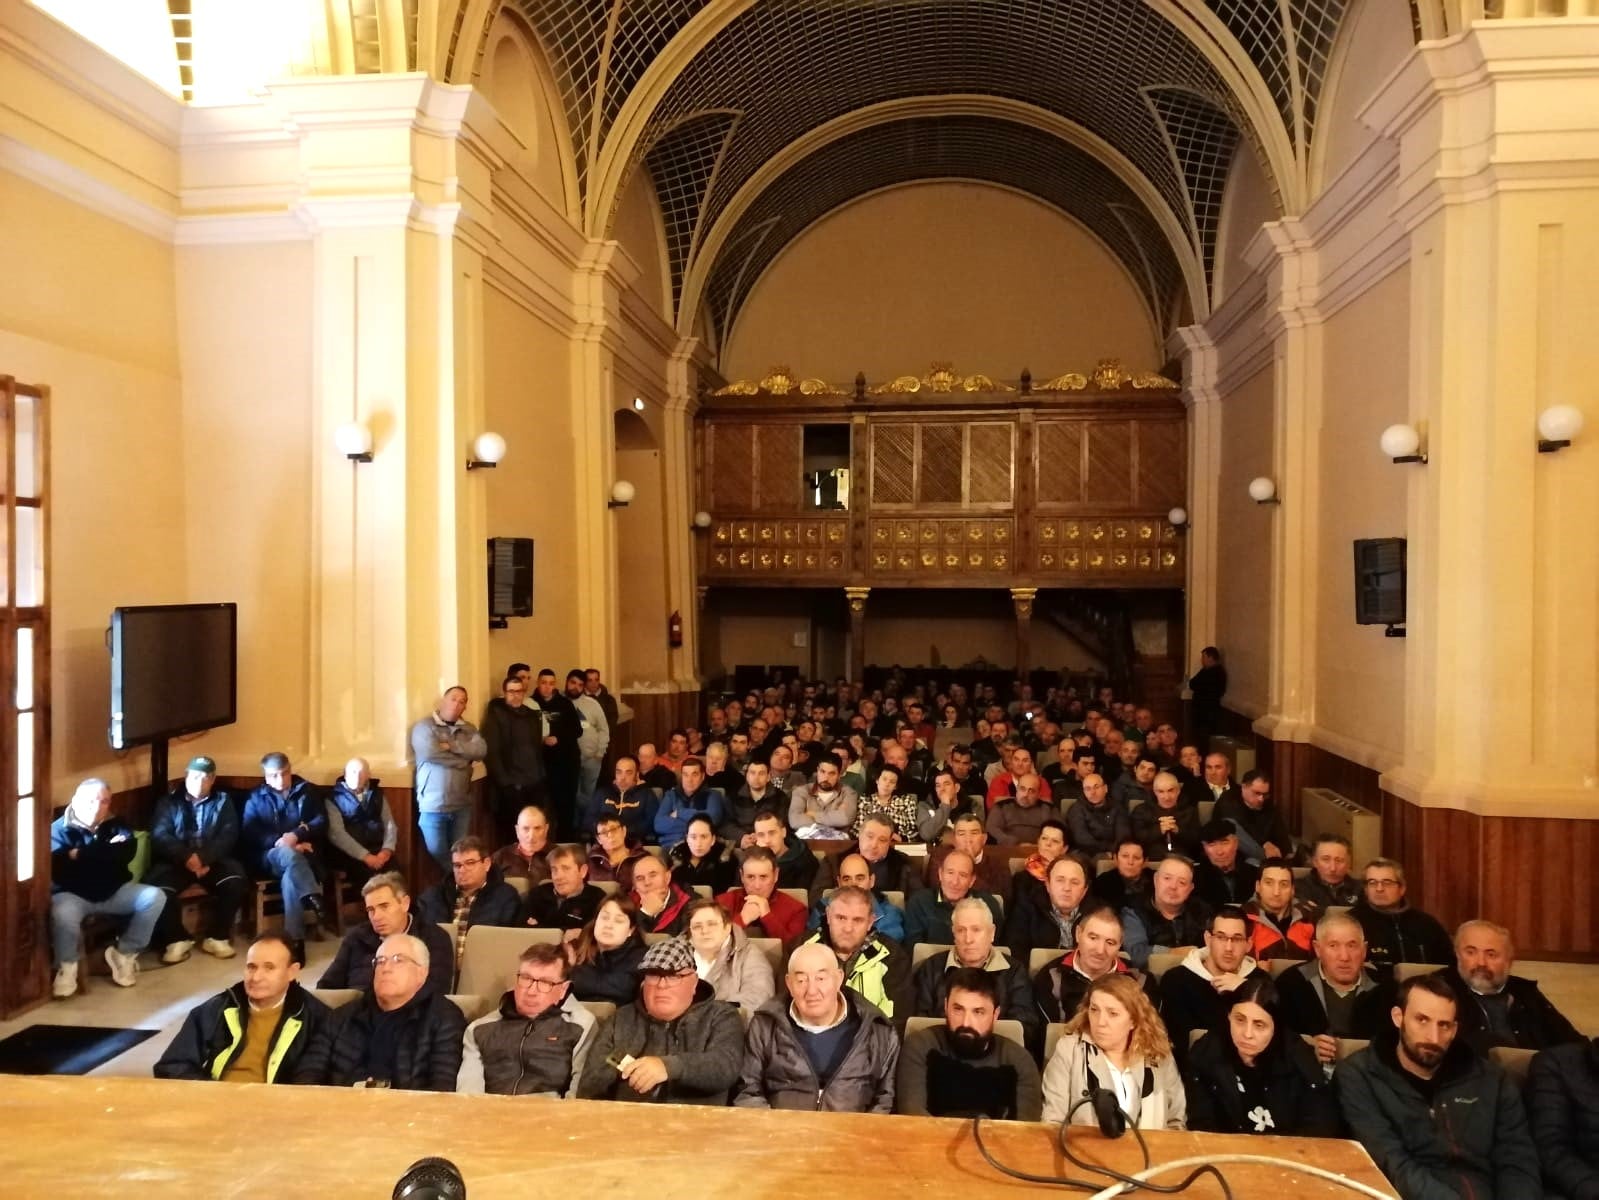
x=1108, y=1112
x=431, y=1179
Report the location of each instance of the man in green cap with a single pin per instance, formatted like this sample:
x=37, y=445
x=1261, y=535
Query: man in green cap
x=192, y=840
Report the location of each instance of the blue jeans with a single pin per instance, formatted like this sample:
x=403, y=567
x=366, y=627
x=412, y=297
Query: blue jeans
x=588, y=778
x=441, y=830
x=138, y=901
x=297, y=878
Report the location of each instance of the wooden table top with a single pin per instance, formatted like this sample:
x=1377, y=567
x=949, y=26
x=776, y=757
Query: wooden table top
x=92, y=1137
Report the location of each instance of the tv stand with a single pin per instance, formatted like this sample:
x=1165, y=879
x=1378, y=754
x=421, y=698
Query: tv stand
x=159, y=779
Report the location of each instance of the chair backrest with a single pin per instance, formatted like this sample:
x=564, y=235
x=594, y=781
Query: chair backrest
x=1016, y=864
x=1104, y=864
x=1337, y=910
x=337, y=997
x=1053, y=1032
x=1041, y=957
x=799, y=895
x=1404, y=971
x=651, y=939
x=488, y=967
x=703, y=891
x=1159, y=964
x=1195, y=1034
x=1515, y=1062
x=1276, y=966
x=473, y=1007
x=1348, y=1046
x=773, y=949
x=1005, y=1029
x=609, y=886
x=1301, y=873
x=897, y=899
x=926, y=950
x=660, y=853
x=601, y=1010
x=1206, y=807
x=521, y=883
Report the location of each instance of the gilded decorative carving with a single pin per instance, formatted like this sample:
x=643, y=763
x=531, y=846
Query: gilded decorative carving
x=779, y=381
x=1116, y=545
x=819, y=387
x=942, y=379
x=982, y=383
x=1023, y=599
x=905, y=385
x=1150, y=381
x=857, y=599
x=1108, y=375
x=942, y=545
x=740, y=387
x=764, y=545
x=1069, y=382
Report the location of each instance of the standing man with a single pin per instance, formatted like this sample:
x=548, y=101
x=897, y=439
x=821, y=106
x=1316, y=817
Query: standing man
x=595, y=687
x=594, y=739
x=514, y=735
x=444, y=747
x=283, y=821
x=360, y=825
x=193, y=836
x=1207, y=687
x=563, y=726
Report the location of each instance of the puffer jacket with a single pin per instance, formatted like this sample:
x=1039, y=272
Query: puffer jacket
x=880, y=971
x=1403, y=935
x=215, y=1032
x=1286, y=1093
x=352, y=962
x=269, y=814
x=612, y=975
x=778, y=1074
x=702, y=1051
x=363, y=817
x=507, y=1054
x=1078, y=1064
x=428, y=1047
x=1563, y=1106
x=181, y=827
x=105, y=854
x=1290, y=938
x=741, y=974
x=1472, y=1139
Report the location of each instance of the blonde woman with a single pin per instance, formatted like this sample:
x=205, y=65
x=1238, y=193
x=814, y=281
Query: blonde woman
x=1116, y=1042
x=724, y=958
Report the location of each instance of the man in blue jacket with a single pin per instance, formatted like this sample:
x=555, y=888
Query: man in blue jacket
x=685, y=801
x=193, y=836
x=284, y=820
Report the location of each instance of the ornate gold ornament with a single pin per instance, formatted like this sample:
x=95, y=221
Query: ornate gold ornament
x=1069, y=382
x=905, y=385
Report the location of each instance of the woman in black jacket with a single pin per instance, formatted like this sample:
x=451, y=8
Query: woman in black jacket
x=701, y=860
x=1252, y=1074
x=606, y=955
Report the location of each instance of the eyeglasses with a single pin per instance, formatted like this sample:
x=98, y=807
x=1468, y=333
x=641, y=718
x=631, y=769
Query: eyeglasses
x=1382, y=883
x=660, y=980
x=1233, y=939
x=468, y=862
x=399, y=960
x=542, y=986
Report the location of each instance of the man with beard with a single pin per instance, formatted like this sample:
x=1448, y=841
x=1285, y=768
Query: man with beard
x=563, y=727
x=1496, y=1007
x=963, y=1068
x=1437, y=1120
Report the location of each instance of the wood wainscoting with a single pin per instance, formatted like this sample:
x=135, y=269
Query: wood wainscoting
x=656, y=714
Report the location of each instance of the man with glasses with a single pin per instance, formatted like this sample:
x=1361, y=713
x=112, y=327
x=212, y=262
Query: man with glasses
x=537, y=1042
x=401, y=1033
x=675, y=1044
x=1193, y=993
x=1395, y=932
x=475, y=895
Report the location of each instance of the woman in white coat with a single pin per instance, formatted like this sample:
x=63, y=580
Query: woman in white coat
x=1115, y=1042
x=724, y=958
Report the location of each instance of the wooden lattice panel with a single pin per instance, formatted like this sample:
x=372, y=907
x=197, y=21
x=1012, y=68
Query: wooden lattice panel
x=940, y=457
x=1110, y=463
x=1162, y=464
x=926, y=546
x=991, y=457
x=1060, y=462
x=893, y=463
x=1094, y=546
x=730, y=466
x=762, y=546
x=779, y=453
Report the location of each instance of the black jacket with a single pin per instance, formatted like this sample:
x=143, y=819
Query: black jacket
x=1409, y=935
x=1284, y=1093
x=1470, y=1139
x=1059, y=988
x=427, y=1045
x=894, y=872
x=702, y=1051
x=612, y=975
x=1189, y=1002
x=101, y=865
x=547, y=910
x=565, y=726
x=496, y=902
x=741, y=811
x=1311, y=890
x=1535, y=1023
x=1264, y=824
x=515, y=739
x=797, y=868
x=269, y=814
x=1219, y=888
x=716, y=871
x=352, y=963
x=181, y=827
x=1563, y=1106
x=1304, y=1011
x=1113, y=890
x=1185, y=840
x=215, y=1032
x=1092, y=830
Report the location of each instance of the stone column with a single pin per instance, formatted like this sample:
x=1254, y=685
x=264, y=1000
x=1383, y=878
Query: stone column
x=1200, y=367
x=1022, y=600
x=857, y=631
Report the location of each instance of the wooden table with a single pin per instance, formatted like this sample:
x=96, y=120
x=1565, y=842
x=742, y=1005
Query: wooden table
x=92, y=1137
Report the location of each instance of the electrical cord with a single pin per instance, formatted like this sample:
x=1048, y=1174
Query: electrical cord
x=1139, y=1181
x=1132, y=1183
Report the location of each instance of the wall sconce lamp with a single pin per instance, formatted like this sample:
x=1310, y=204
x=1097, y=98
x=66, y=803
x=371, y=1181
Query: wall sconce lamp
x=1178, y=518
x=487, y=451
x=622, y=493
x=1402, y=443
x=1263, y=491
x=638, y=403
x=702, y=521
x=1557, y=426
x=354, y=441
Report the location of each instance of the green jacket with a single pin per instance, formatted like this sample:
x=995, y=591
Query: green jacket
x=880, y=971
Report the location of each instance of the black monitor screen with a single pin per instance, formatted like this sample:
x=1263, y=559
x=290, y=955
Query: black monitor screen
x=173, y=671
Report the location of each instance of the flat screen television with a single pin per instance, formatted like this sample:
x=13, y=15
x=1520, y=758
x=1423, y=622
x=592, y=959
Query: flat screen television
x=174, y=670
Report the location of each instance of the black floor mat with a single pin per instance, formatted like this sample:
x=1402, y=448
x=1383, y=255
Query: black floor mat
x=65, y=1049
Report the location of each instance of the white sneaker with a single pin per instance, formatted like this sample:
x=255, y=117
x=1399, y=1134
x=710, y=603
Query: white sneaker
x=177, y=951
x=218, y=947
x=65, y=985
x=124, y=967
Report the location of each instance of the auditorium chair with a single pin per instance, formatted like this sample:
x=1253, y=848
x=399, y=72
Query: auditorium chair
x=1276, y=966
x=1005, y=1029
x=653, y=939
x=1337, y=910
x=521, y=883
x=897, y=899
x=1042, y=957
x=800, y=895
x=1206, y=808
x=1346, y=1046
x=600, y=1010
x=267, y=901
x=773, y=949
x=926, y=950
x=1103, y=865
x=1053, y=1032
x=1018, y=865
x=339, y=892
x=1159, y=964
x=658, y=851
x=488, y=965
x=1301, y=874
x=1406, y=970
x=609, y=886
x=1514, y=1061
x=472, y=1006
x=703, y=891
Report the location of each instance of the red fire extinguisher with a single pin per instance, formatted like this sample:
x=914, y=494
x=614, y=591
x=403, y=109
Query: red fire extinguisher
x=674, y=630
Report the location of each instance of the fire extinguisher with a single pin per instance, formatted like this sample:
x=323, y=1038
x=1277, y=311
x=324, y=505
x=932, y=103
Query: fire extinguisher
x=674, y=630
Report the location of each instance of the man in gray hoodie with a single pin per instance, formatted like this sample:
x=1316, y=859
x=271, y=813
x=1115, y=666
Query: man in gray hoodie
x=444, y=747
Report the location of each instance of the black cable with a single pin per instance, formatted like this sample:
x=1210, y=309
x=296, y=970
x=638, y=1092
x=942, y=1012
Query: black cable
x=1027, y=1177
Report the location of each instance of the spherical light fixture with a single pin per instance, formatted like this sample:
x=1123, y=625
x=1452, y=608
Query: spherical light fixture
x=1178, y=517
x=622, y=493
x=702, y=520
x=638, y=403
x=487, y=451
x=1558, y=426
x=1402, y=443
x=354, y=441
x=1262, y=490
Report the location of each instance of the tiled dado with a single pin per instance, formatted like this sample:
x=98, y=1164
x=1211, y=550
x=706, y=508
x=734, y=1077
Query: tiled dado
x=765, y=546
x=916, y=546
x=1108, y=545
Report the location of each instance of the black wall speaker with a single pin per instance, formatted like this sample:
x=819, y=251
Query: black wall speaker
x=1380, y=581
x=510, y=579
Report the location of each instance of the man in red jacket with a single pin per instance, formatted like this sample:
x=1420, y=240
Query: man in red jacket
x=758, y=907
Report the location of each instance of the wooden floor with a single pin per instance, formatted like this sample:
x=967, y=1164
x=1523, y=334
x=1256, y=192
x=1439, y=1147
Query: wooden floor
x=101, y=1137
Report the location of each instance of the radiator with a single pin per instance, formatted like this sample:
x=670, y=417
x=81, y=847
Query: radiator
x=1322, y=810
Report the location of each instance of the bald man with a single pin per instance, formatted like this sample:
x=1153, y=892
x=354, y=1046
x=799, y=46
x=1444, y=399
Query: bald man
x=361, y=828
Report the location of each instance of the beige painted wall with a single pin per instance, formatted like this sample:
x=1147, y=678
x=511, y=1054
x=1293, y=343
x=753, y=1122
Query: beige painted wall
x=952, y=629
x=516, y=80
x=1246, y=205
x=641, y=546
x=639, y=229
x=760, y=627
x=1243, y=552
x=961, y=272
x=1375, y=38
x=1360, y=683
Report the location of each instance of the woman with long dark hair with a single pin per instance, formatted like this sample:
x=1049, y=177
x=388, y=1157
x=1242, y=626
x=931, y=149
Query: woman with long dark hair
x=605, y=955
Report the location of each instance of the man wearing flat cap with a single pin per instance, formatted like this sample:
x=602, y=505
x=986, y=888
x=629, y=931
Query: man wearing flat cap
x=193, y=837
x=675, y=1043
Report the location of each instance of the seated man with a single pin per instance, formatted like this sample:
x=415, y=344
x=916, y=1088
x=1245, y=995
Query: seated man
x=1329, y=883
x=1192, y=994
x=526, y=858
x=1496, y=1007
x=1096, y=824
x=537, y=1042
x=1218, y=777
x=754, y=798
x=937, y=811
x=475, y=895
x=796, y=865
x=757, y=907
x=1171, y=918
x=628, y=798
x=1048, y=919
x=855, y=871
x=283, y=821
x=1562, y=1099
x=566, y=900
x=718, y=774
x=1135, y=786
x=1262, y=832
x=1129, y=878
x=675, y=1044
x=399, y=1034
x=680, y=803
x=1168, y=826
x=1059, y=988
x=90, y=853
x=1437, y=1119
x=1017, y=821
x=1017, y=761
x=972, y=787
x=361, y=827
x=613, y=853
x=1222, y=876
x=193, y=836
x=652, y=772
x=962, y=1068
x=388, y=911
x=1395, y=932
x=892, y=870
x=879, y=969
x=993, y=869
x=973, y=935
x=929, y=912
x=1085, y=762
x=824, y=804
x=1278, y=926
x=253, y=1032
x=823, y=1048
x=1335, y=996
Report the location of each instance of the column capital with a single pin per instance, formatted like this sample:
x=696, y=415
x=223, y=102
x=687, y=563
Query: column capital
x=857, y=598
x=1022, y=598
